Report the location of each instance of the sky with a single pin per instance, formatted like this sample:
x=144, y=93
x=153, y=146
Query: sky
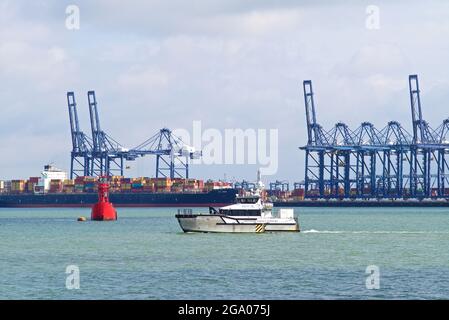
x=229, y=64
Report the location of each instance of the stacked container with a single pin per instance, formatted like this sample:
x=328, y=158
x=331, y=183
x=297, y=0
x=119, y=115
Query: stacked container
x=31, y=184
x=284, y=195
x=68, y=186
x=137, y=184
x=56, y=186
x=7, y=186
x=125, y=185
x=162, y=184
x=213, y=185
x=79, y=185
x=90, y=184
x=17, y=186
x=115, y=183
x=178, y=185
x=148, y=186
x=297, y=195
x=191, y=185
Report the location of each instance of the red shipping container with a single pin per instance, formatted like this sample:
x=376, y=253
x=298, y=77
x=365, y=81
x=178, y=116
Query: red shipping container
x=298, y=193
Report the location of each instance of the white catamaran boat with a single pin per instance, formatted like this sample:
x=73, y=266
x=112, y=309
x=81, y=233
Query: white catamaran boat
x=249, y=215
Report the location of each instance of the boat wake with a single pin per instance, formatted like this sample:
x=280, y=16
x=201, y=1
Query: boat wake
x=374, y=232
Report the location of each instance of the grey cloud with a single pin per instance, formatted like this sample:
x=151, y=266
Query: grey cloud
x=227, y=63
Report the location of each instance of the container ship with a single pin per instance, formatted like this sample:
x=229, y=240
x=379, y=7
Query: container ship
x=53, y=189
x=345, y=203
x=295, y=198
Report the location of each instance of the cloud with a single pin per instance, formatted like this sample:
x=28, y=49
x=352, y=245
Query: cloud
x=231, y=64
x=138, y=79
x=375, y=59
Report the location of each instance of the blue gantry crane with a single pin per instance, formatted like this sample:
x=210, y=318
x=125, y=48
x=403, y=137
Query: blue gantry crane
x=107, y=154
x=283, y=186
x=317, y=149
x=424, y=146
x=370, y=163
x=172, y=154
x=80, y=157
x=245, y=185
x=369, y=142
x=442, y=133
x=395, y=160
x=102, y=155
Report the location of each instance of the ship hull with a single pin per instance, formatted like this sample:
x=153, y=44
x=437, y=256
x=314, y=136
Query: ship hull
x=214, y=198
x=361, y=203
x=224, y=224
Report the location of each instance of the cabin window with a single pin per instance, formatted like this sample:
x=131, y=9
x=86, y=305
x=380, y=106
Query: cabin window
x=248, y=200
x=240, y=212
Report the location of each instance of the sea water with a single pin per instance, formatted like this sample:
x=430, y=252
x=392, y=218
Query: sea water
x=145, y=255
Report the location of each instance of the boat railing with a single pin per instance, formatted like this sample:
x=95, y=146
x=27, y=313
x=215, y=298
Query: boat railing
x=185, y=212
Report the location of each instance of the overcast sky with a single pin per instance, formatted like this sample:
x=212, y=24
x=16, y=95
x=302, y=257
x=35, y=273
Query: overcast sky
x=230, y=64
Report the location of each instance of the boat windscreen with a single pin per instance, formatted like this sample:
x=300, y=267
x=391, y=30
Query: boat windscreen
x=236, y=212
x=248, y=200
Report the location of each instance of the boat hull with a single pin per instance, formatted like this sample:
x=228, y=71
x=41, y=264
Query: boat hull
x=225, y=224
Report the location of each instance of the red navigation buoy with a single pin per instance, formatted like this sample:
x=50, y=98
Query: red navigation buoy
x=103, y=210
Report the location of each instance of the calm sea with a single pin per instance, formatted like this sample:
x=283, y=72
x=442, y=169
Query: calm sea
x=144, y=255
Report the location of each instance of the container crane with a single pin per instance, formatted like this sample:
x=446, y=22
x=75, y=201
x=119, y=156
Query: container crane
x=443, y=158
x=424, y=145
x=279, y=186
x=108, y=155
x=172, y=154
x=80, y=157
x=317, y=146
x=101, y=155
x=390, y=163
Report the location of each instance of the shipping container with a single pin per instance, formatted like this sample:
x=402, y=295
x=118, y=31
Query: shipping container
x=34, y=180
x=18, y=186
x=298, y=193
x=79, y=188
x=7, y=186
x=55, y=189
x=30, y=186
x=125, y=186
x=177, y=189
x=69, y=182
x=162, y=182
x=163, y=188
x=150, y=188
x=69, y=188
